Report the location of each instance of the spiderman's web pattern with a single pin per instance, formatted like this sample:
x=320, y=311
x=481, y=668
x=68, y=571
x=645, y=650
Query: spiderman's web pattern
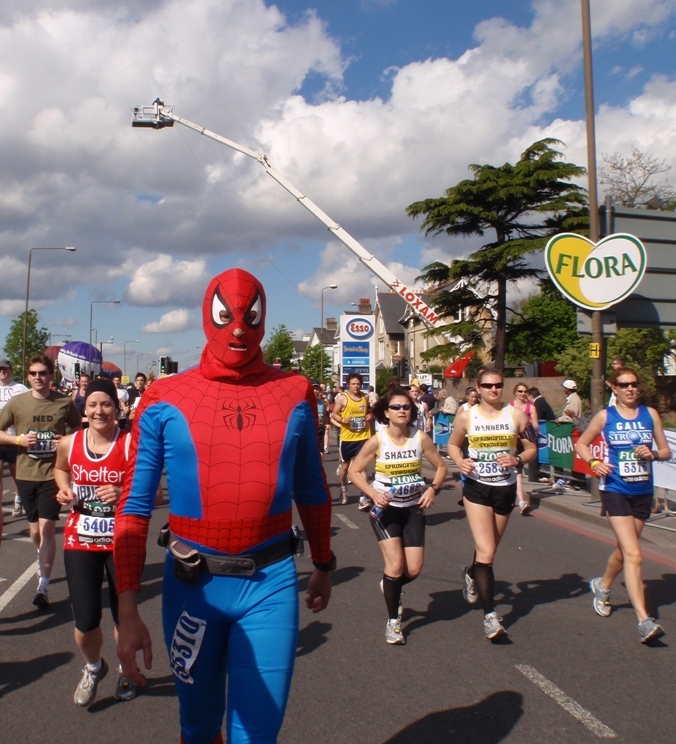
x=131, y=535
x=238, y=430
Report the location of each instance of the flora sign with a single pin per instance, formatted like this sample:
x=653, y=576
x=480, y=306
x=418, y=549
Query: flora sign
x=595, y=276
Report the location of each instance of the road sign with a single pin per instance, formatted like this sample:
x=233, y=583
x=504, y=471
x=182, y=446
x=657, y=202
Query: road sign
x=653, y=304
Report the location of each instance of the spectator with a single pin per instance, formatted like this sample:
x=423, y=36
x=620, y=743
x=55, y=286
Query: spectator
x=572, y=408
x=544, y=410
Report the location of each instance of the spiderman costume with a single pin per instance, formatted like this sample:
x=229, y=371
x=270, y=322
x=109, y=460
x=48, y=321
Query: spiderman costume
x=238, y=441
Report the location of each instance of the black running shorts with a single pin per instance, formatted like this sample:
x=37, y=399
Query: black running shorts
x=500, y=498
x=404, y=522
x=615, y=504
x=39, y=499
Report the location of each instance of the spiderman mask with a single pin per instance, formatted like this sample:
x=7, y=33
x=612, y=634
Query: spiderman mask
x=233, y=315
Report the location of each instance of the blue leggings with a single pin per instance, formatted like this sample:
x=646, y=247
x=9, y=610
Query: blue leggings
x=244, y=628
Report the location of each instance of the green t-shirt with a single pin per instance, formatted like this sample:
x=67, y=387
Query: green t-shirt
x=47, y=416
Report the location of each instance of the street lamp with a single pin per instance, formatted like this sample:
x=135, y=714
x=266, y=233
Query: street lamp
x=321, y=335
x=124, y=352
x=63, y=335
x=140, y=354
x=101, y=349
x=28, y=286
x=91, y=322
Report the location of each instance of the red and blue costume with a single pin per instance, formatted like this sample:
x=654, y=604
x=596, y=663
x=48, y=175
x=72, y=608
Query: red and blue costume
x=238, y=440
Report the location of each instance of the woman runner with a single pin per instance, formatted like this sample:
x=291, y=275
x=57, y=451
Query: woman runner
x=90, y=466
x=629, y=430
x=523, y=404
x=489, y=430
x=399, y=489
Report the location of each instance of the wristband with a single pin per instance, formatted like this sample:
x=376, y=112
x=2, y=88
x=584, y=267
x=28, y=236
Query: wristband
x=18, y=440
x=519, y=460
x=329, y=566
x=594, y=462
x=435, y=488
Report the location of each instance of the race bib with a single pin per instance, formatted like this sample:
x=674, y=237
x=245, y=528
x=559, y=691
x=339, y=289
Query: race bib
x=632, y=469
x=358, y=424
x=405, y=487
x=95, y=526
x=185, y=645
x=45, y=446
x=487, y=468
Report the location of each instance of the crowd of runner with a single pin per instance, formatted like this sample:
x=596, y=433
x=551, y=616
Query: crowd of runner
x=55, y=462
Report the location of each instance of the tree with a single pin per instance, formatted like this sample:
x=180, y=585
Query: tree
x=545, y=326
x=37, y=340
x=314, y=358
x=523, y=205
x=631, y=181
x=279, y=346
x=642, y=349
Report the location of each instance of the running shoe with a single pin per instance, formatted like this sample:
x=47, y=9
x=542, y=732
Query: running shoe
x=41, y=600
x=469, y=586
x=649, y=630
x=393, y=634
x=18, y=511
x=326, y=450
x=524, y=508
x=343, y=494
x=338, y=469
x=125, y=689
x=364, y=502
x=601, y=599
x=492, y=627
x=85, y=694
x=400, y=609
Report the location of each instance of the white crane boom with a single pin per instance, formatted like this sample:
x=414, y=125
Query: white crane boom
x=158, y=116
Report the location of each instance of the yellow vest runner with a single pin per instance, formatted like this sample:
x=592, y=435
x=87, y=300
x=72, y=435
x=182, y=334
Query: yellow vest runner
x=486, y=439
x=358, y=428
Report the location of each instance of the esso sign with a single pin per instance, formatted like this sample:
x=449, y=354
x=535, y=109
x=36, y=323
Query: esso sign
x=359, y=328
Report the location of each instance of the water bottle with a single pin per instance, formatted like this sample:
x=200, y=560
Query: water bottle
x=376, y=511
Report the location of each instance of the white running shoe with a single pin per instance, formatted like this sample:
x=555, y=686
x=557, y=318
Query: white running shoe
x=393, y=634
x=601, y=601
x=469, y=591
x=492, y=626
x=85, y=693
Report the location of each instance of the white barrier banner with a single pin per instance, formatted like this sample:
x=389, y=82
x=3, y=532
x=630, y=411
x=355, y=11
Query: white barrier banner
x=664, y=473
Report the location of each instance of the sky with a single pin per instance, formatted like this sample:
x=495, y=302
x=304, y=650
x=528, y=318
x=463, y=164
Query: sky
x=366, y=106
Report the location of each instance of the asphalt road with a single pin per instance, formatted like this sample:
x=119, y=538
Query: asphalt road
x=563, y=675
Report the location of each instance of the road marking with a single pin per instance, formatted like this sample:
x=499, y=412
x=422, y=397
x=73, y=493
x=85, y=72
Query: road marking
x=16, y=587
x=20, y=538
x=349, y=523
x=567, y=522
x=575, y=709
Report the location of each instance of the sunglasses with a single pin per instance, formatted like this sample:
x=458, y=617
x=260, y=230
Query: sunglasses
x=400, y=407
x=625, y=385
x=491, y=385
x=522, y=391
x=40, y=373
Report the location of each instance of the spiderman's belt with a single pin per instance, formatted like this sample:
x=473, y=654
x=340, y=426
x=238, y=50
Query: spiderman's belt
x=190, y=563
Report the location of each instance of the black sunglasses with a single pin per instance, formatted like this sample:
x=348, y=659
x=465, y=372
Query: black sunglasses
x=40, y=373
x=625, y=385
x=400, y=406
x=522, y=391
x=489, y=385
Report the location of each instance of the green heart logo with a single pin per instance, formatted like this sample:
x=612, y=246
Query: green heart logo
x=595, y=276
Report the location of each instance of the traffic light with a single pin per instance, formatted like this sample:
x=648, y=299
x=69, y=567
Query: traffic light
x=77, y=370
x=164, y=364
x=173, y=367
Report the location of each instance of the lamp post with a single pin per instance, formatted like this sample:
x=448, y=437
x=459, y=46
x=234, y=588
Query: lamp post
x=91, y=322
x=28, y=286
x=124, y=353
x=101, y=349
x=140, y=354
x=321, y=335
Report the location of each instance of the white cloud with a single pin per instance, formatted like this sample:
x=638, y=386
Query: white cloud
x=165, y=281
x=172, y=322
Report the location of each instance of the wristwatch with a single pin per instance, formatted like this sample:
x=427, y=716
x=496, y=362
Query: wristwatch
x=435, y=488
x=329, y=566
x=519, y=460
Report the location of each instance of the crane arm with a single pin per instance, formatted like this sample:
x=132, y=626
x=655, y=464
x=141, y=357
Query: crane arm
x=159, y=116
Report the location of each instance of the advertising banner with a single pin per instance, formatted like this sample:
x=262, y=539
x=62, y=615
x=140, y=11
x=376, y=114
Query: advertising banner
x=443, y=426
x=560, y=444
x=543, y=452
x=357, y=348
x=597, y=449
x=664, y=473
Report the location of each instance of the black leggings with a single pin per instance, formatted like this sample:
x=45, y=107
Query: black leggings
x=84, y=572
